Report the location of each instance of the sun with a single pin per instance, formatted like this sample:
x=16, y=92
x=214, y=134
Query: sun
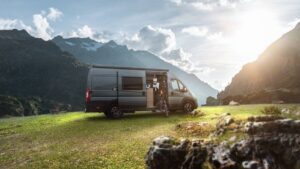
x=255, y=30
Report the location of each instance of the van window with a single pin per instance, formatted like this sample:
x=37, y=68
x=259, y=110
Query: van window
x=104, y=82
x=132, y=83
x=181, y=87
x=174, y=84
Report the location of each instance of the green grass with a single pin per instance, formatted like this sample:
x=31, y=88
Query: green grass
x=80, y=140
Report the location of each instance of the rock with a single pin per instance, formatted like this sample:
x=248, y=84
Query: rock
x=166, y=153
x=276, y=126
x=251, y=164
x=163, y=142
x=285, y=111
x=233, y=138
x=264, y=118
x=219, y=157
x=224, y=120
x=223, y=123
x=197, y=112
x=234, y=103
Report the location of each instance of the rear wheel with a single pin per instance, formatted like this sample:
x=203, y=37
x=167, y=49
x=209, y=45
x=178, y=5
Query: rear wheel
x=113, y=112
x=188, y=107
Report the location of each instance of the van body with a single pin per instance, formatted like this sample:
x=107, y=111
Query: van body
x=118, y=90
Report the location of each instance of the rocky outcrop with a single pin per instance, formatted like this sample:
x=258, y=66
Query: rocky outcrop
x=273, y=143
x=168, y=153
x=267, y=152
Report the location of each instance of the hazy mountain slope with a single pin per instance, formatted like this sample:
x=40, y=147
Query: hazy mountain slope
x=113, y=54
x=276, y=69
x=34, y=67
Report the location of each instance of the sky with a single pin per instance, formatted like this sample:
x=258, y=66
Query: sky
x=210, y=38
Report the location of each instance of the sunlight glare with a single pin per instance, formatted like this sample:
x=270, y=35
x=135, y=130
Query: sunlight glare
x=257, y=30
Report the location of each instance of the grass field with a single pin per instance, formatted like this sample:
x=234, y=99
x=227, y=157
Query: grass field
x=80, y=140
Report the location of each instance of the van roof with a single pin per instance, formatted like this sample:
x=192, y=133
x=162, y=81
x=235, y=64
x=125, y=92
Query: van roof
x=128, y=68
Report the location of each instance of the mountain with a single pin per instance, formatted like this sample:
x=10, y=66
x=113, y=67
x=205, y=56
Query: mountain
x=274, y=76
x=110, y=53
x=32, y=67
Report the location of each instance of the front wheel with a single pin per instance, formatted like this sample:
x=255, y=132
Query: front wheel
x=114, y=112
x=188, y=107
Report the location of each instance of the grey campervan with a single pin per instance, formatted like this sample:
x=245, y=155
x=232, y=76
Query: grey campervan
x=118, y=90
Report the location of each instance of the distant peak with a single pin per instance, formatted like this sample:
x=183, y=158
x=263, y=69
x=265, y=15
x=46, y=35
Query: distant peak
x=15, y=34
x=112, y=42
x=59, y=37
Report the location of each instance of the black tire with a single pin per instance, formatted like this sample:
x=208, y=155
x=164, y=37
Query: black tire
x=188, y=107
x=113, y=112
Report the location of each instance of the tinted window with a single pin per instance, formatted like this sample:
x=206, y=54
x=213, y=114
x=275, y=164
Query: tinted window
x=104, y=82
x=132, y=83
x=174, y=85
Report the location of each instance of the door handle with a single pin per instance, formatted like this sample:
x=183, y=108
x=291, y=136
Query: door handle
x=114, y=89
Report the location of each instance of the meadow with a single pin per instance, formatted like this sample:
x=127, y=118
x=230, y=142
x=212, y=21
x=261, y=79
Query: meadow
x=89, y=140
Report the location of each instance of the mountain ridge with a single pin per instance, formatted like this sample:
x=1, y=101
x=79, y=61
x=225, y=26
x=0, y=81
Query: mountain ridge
x=32, y=67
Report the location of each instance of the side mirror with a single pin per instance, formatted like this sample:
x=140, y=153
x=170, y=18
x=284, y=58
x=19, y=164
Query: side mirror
x=184, y=89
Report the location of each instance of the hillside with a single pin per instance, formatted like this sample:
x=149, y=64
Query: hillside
x=110, y=53
x=274, y=76
x=32, y=67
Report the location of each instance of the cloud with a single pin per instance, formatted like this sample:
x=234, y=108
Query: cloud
x=54, y=14
x=6, y=24
x=202, y=6
x=208, y=5
x=179, y=58
x=204, y=70
x=83, y=32
x=182, y=59
x=162, y=42
x=195, y=31
x=216, y=36
x=154, y=39
x=42, y=27
x=87, y=32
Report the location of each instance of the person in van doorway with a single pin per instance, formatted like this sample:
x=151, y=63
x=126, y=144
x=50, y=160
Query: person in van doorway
x=159, y=86
x=163, y=106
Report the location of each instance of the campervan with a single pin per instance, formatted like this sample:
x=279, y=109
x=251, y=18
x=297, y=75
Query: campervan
x=118, y=90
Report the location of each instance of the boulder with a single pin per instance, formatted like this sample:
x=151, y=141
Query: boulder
x=167, y=152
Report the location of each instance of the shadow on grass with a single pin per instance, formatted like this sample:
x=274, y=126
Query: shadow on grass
x=137, y=115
